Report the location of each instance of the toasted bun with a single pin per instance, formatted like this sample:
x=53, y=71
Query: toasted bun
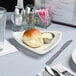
x=32, y=37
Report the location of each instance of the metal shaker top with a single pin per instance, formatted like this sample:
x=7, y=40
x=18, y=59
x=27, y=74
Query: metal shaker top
x=29, y=9
x=18, y=10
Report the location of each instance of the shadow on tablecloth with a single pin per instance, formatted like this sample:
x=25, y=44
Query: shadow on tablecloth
x=24, y=50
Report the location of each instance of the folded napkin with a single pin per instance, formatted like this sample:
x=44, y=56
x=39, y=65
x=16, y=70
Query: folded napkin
x=65, y=71
x=59, y=68
x=8, y=48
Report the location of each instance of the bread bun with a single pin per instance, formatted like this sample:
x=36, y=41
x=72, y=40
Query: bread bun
x=33, y=37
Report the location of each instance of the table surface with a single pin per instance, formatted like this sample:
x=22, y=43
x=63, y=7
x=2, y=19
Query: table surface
x=27, y=63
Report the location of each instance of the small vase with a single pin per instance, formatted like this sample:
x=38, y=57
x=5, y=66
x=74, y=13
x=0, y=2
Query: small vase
x=42, y=16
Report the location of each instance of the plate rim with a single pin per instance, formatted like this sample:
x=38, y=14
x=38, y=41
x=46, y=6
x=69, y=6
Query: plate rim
x=44, y=52
x=73, y=55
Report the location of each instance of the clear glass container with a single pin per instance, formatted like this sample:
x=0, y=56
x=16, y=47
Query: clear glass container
x=43, y=14
x=2, y=26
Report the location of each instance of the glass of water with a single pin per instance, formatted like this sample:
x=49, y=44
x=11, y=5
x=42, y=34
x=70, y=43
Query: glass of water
x=2, y=26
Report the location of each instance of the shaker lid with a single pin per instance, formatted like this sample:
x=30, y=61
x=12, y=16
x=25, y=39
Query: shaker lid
x=18, y=10
x=29, y=9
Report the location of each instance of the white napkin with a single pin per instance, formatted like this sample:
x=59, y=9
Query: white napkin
x=59, y=68
x=8, y=48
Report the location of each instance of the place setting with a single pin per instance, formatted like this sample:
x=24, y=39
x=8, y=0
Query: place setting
x=58, y=69
x=35, y=33
x=50, y=40
x=40, y=41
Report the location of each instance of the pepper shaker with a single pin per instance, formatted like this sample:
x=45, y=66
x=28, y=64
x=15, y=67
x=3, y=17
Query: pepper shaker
x=29, y=15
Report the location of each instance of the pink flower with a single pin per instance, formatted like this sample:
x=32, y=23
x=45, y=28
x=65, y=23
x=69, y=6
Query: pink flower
x=43, y=14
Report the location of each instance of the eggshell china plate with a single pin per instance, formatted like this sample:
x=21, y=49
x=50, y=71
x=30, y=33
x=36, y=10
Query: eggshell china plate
x=74, y=56
x=42, y=49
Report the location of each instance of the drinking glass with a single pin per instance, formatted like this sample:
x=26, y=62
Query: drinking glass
x=2, y=26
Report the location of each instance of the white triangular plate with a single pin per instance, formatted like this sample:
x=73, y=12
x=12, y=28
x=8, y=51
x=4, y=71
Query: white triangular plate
x=74, y=56
x=43, y=49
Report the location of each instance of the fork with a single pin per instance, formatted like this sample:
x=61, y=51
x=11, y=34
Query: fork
x=49, y=71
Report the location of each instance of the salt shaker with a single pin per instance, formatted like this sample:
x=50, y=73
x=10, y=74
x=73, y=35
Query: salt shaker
x=18, y=18
x=18, y=15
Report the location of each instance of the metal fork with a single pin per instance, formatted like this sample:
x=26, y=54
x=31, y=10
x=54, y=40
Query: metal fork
x=52, y=72
x=49, y=71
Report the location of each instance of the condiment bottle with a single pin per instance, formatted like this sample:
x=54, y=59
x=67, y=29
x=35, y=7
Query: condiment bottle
x=18, y=16
x=29, y=15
